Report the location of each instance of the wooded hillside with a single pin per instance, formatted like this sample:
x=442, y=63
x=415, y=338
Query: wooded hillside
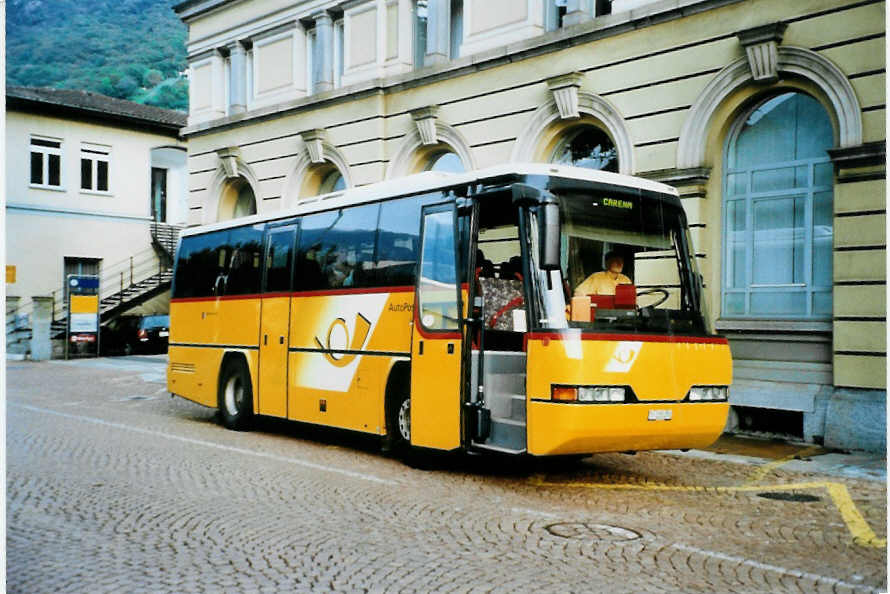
x=129, y=49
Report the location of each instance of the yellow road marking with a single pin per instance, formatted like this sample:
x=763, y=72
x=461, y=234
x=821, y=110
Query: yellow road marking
x=861, y=532
x=762, y=471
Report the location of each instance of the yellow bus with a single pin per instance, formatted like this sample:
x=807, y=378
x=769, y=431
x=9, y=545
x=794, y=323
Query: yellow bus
x=536, y=309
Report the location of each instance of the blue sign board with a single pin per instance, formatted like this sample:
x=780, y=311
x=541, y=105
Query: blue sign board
x=83, y=285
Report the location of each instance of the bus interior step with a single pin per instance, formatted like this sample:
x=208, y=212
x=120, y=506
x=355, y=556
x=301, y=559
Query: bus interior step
x=507, y=433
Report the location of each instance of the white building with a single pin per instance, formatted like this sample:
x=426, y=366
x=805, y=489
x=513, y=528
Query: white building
x=95, y=185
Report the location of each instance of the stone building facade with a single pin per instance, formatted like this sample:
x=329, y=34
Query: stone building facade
x=769, y=117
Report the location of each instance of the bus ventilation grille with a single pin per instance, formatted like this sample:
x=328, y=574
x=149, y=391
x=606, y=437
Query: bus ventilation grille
x=182, y=367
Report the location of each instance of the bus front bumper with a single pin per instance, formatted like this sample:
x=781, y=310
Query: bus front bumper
x=558, y=428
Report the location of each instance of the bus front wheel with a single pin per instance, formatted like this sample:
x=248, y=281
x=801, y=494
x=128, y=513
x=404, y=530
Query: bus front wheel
x=398, y=423
x=235, y=395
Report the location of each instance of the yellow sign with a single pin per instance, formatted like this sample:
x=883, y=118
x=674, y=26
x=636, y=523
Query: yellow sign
x=10, y=274
x=87, y=304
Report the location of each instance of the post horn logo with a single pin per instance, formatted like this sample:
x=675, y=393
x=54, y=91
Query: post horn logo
x=337, y=352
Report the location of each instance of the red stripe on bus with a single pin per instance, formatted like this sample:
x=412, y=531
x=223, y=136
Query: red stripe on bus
x=216, y=298
x=627, y=337
x=366, y=291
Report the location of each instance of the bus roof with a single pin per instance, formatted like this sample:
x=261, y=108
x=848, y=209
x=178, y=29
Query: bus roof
x=434, y=180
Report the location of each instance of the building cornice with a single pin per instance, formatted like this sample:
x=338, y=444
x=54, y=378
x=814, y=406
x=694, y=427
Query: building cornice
x=194, y=8
x=599, y=28
x=679, y=177
x=864, y=155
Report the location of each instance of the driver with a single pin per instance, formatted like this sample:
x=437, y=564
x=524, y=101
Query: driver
x=605, y=281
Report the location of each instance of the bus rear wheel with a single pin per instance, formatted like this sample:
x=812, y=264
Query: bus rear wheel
x=235, y=397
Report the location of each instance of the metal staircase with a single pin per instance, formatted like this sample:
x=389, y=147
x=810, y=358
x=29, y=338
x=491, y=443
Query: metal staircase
x=123, y=285
x=164, y=238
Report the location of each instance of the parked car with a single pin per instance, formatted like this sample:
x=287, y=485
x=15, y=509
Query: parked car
x=126, y=335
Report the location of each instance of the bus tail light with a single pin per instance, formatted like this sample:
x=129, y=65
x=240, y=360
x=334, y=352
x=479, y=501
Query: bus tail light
x=602, y=394
x=708, y=394
x=564, y=394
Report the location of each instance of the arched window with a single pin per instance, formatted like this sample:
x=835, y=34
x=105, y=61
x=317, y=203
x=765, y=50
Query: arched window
x=446, y=161
x=587, y=147
x=245, y=205
x=777, y=211
x=322, y=178
x=236, y=200
x=332, y=182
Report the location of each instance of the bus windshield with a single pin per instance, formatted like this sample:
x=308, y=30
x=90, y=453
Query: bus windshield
x=626, y=266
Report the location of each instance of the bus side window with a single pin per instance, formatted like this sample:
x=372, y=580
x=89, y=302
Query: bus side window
x=243, y=273
x=398, y=238
x=315, y=251
x=279, y=261
x=197, y=269
x=337, y=249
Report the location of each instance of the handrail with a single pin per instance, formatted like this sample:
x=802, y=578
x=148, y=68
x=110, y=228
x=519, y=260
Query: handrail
x=118, y=277
x=114, y=280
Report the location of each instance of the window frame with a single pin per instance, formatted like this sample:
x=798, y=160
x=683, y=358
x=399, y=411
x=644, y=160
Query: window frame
x=419, y=31
x=308, y=240
x=95, y=153
x=749, y=198
x=571, y=134
x=227, y=85
x=280, y=228
x=429, y=210
x=311, y=41
x=455, y=28
x=158, y=211
x=552, y=18
x=339, y=47
x=434, y=159
x=46, y=152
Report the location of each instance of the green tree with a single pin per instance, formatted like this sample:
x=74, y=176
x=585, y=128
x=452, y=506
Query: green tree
x=152, y=78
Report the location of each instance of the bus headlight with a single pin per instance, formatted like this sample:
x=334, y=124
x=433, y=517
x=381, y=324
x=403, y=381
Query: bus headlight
x=708, y=394
x=601, y=394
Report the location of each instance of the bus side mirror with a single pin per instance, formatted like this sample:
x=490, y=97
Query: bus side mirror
x=549, y=234
x=525, y=195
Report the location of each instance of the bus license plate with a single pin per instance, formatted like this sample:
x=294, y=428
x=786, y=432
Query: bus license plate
x=660, y=414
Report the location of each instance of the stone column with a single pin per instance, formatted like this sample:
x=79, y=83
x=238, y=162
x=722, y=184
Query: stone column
x=218, y=97
x=12, y=304
x=323, y=54
x=41, y=318
x=438, y=37
x=237, y=78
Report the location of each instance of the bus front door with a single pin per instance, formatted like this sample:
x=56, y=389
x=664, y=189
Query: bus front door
x=436, y=339
x=275, y=320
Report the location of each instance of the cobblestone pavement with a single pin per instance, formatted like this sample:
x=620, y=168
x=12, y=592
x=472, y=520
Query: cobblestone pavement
x=113, y=486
